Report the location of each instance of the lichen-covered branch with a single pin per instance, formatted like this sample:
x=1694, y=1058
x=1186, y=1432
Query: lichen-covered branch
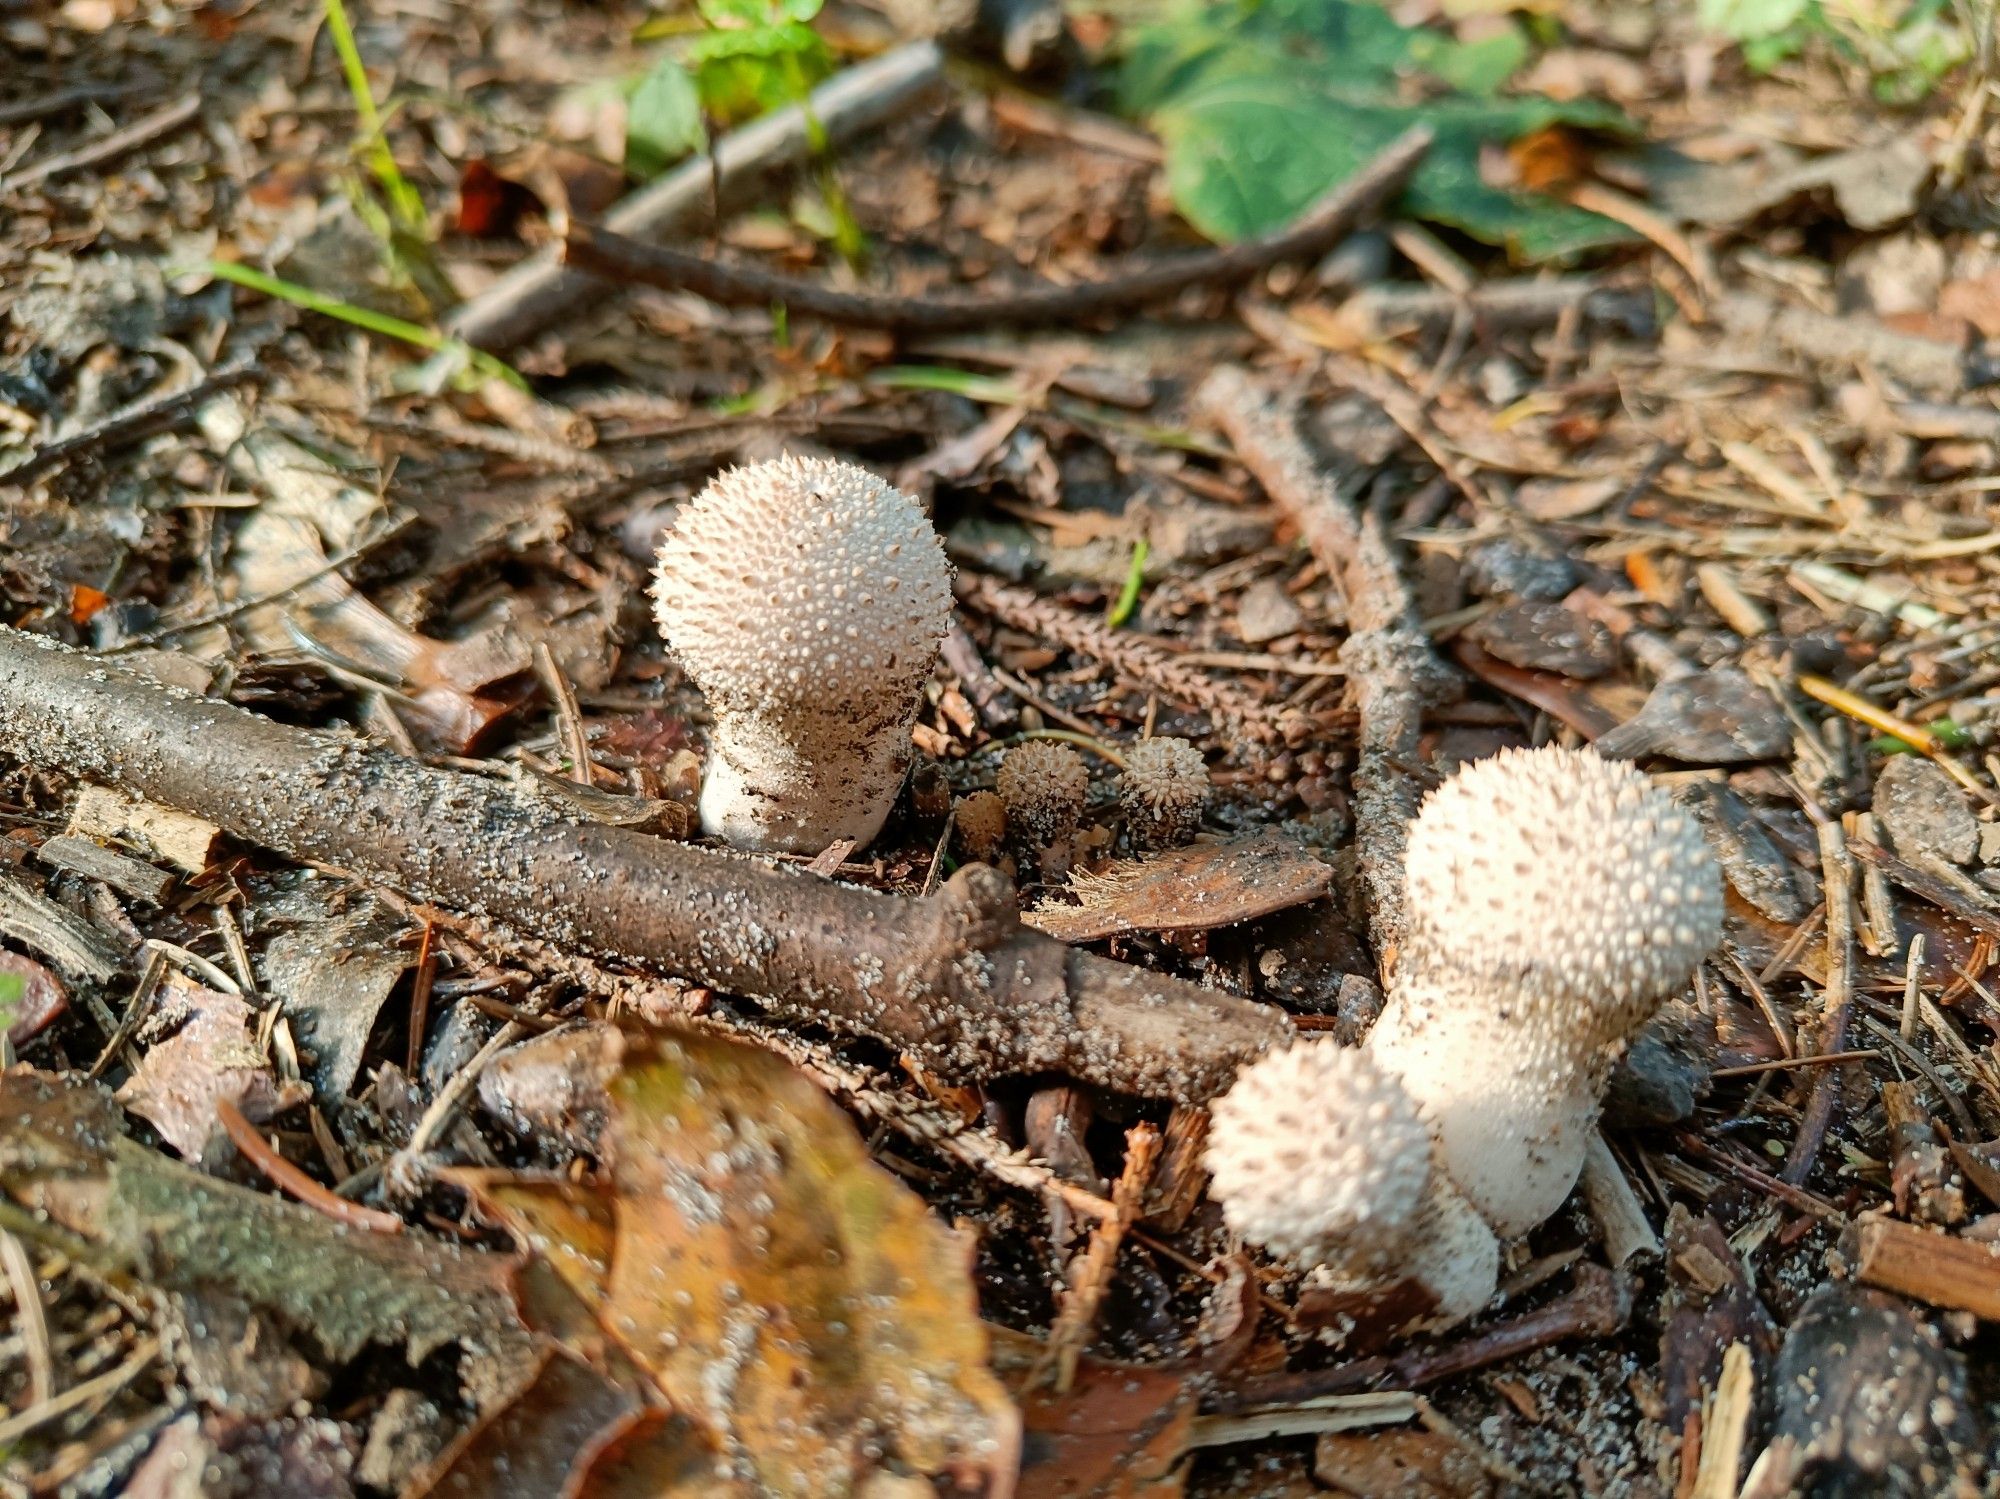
x=1392, y=670
x=954, y=978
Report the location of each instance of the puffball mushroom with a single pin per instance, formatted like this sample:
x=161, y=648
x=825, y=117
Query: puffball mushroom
x=807, y=599
x=1164, y=790
x=1554, y=899
x=1044, y=784
x=980, y=825
x=1318, y=1156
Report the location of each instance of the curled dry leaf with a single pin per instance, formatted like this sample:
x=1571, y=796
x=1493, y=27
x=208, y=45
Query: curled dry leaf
x=1720, y=717
x=208, y=1059
x=43, y=998
x=1187, y=889
x=781, y=1289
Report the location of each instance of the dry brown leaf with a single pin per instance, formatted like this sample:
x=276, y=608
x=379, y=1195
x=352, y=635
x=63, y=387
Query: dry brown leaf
x=1120, y=1432
x=43, y=998
x=1188, y=889
x=781, y=1289
x=210, y=1058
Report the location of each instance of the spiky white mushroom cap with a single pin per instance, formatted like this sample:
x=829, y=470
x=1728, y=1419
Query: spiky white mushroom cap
x=1163, y=787
x=804, y=587
x=1317, y=1155
x=1044, y=784
x=1568, y=878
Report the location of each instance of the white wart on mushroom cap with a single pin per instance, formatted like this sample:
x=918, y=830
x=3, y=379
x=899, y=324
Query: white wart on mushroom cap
x=1554, y=898
x=1319, y=1157
x=806, y=598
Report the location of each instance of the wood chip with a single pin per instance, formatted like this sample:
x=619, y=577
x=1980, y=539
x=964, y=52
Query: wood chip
x=1937, y=1269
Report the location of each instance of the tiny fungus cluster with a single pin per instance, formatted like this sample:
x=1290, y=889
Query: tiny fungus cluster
x=1555, y=899
x=807, y=599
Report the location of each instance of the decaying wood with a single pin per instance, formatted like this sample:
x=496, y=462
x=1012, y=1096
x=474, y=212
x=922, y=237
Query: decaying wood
x=1392, y=670
x=1934, y=1268
x=953, y=978
x=625, y=261
x=537, y=292
x=187, y=843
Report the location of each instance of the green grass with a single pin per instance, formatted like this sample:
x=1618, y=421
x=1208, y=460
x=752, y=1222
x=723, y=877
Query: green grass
x=417, y=336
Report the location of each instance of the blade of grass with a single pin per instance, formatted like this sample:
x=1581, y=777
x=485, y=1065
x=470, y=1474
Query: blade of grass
x=383, y=323
x=1128, y=596
x=406, y=205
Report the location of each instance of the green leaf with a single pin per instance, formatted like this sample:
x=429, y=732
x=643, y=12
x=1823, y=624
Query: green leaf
x=1749, y=20
x=755, y=13
x=1265, y=108
x=745, y=73
x=663, y=120
x=13, y=989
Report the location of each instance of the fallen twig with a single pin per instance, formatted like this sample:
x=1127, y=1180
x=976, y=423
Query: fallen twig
x=541, y=289
x=1837, y=871
x=1144, y=663
x=140, y=419
x=955, y=978
x=1392, y=670
x=617, y=258
x=1599, y=1304
x=141, y=132
x=293, y=1182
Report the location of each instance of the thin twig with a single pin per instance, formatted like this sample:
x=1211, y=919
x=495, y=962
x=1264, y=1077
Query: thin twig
x=289, y=1179
x=141, y=132
x=79, y=1395
x=30, y=1317
x=538, y=292
x=140, y=419
x=1837, y=873
x=1318, y=229
x=1392, y=670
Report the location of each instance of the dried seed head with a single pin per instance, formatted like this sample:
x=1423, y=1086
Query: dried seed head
x=1043, y=783
x=1318, y=1156
x=806, y=598
x=1164, y=790
x=980, y=826
x=1554, y=899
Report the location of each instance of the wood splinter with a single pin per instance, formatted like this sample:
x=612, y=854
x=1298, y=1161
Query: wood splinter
x=953, y=978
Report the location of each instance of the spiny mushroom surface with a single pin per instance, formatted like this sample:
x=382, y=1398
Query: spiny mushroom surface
x=1318, y=1156
x=1555, y=898
x=980, y=824
x=1164, y=790
x=806, y=598
x=1044, y=784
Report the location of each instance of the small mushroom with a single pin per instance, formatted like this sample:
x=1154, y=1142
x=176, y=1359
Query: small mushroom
x=1321, y=1158
x=1044, y=784
x=806, y=598
x=980, y=826
x=1554, y=899
x=1164, y=790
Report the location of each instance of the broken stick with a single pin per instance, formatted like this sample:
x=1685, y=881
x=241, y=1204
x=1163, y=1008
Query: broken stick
x=1146, y=280
x=1392, y=670
x=953, y=978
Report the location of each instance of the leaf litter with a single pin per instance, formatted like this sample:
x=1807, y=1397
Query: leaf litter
x=1716, y=496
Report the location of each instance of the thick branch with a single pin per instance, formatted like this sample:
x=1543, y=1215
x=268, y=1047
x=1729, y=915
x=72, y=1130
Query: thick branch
x=1317, y=230
x=1392, y=670
x=953, y=979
